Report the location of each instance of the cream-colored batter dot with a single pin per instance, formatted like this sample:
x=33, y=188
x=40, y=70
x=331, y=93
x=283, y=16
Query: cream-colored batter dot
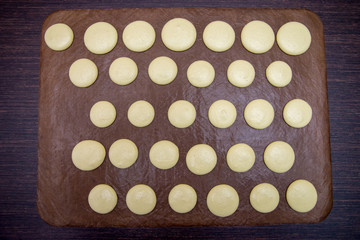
x=59, y=37
x=297, y=113
x=181, y=114
x=279, y=156
x=222, y=114
x=182, y=198
x=88, y=155
x=83, y=72
x=141, y=199
x=100, y=38
x=162, y=70
x=293, y=38
x=241, y=73
x=240, y=157
x=222, y=200
x=201, y=73
x=219, y=36
x=123, y=71
x=264, y=198
x=164, y=154
x=102, y=198
x=257, y=37
x=279, y=74
x=139, y=36
x=301, y=195
x=141, y=113
x=259, y=114
x=102, y=114
x=123, y=153
x=178, y=34
x=201, y=159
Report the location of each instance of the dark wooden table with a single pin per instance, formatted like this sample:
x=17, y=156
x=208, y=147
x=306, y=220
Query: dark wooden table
x=20, y=26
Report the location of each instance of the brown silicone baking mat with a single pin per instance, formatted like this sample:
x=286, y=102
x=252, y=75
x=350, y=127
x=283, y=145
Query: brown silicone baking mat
x=64, y=121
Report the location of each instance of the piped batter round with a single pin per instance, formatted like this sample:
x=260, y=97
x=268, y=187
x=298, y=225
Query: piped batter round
x=279, y=74
x=279, y=156
x=181, y=114
x=88, y=155
x=164, y=154
x=293, y=38
x=102, y=198
x=123, y=153
x=201, y=73
x=141, y=199
x=83, y=72
x=141, y=113
x=241, y=73
x=162, y=70
x=201, y=159
x=102, y=114
x=259, y=114
x=100, y=38
x=178, y=34
x=123, y=71
x=257, y=37
x=240, y=157
x=297, y=113
x=219, y=36
x=264, y=198
x=222, y=200
x=182, y=198
x=301, y=196
x=139, y=36
x=59, y=37
x=222, y=114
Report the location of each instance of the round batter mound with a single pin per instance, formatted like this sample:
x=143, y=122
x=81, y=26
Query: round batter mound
x=241, y=73
x=222, y=114
x=178, y=34
x=123, y=71
x=123, y=153
x=102, y=114
x=279, y=74
x=259, y=114
x=219, y=36
x=222, y=200
x=141, y=199
x=181, y=114
x=102, y=198
x=182, y=198
x=293, y=38
x=301, y=195
x=279, y=156
x=162, y=70
x=59, y=37
x=264, y=198
x=138, y=36
x=100, y=38
x=201, y=159
x=164, y=154
x=141, y=113
x=83, y=72
x=240, y=157
x=257, y=37
x=88, y=155
x=201, y=73
x=297, y=113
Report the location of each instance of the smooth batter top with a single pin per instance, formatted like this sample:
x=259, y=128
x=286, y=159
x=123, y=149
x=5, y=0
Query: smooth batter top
x=100, y=38
x=257, y=37
x=181, y=114
x=201, y=73
x=301, y=196
x=279, y=156
x=201, y=159
x=182, y=198
x=164, y=154
x=102, y=114
x=83, y=72
x=162, y=70
x=240, y=157
x=178, y=34
x=259, y=114
x=123, y=153
x=138, y=36
x=88, y=155
x=219, y=36
x=141, y=199
x=264, y=198
x=222, y=114
x=279, y=74
x=123, y=71
x=222, y=200
x=293, y=38
x=59, y=37
x=102, y=198
x=241, y=73
x=297, y=113
x=141, y=113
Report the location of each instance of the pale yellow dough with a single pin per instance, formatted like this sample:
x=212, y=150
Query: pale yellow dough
x=264, y=198
x=178, y=34
x=139, y=36
x=100, y=38
x=141, y=199
x=201, y=159
x=83, y=72
x=123, y=71
x=222, y=200
x=182, y=198
x=241, y=73
x=59, y=37
x=293, y=38
x=240, y=157
x=222, y=114
x=102, y=114
x=181, y=114
x=257, y=37
x=88, y=155
x=279, y=156
x=201, y=73
x=123, y=153
x=279, y=74
x=297, y=113
x=141, y=113
x=164, y=154
x=301, y=195
x=219, y=36
x=259, y=114
x=102, y=199
x=162, y=70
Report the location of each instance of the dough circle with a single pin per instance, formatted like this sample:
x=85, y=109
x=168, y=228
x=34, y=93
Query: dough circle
x=259, y=114
x=164, y=154
x=100, y=38
x=88, y=155
x=123, y=153
x=181, y=114
x=182, y=198
x=279, y=74
x=59, y=37
x=162, y=70
x=241, y=73
x=297, y=113
x=257, y=37
x=141, y=113
x=102, y=114
x=123, y=71
x=222, y=114
x=139, y=36
x=222, y=200
x=219, y=36
x=240, y=157
x=102, y=198
x=83, y=72
x=201, y=73
x=141, y=199
x=201, y=159
x=264, y=198
x=301, y=195
x=279, y=156
x=178, y=34
x=293, y=38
